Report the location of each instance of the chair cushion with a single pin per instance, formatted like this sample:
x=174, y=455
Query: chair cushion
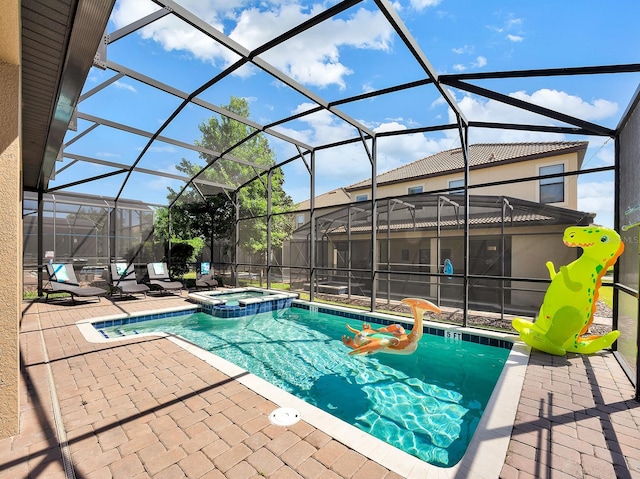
x=122, y=269
x=60, y=272
x=158, y=268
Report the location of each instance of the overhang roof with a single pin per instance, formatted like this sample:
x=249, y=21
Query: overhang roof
x=420, y=213
x=59, y=42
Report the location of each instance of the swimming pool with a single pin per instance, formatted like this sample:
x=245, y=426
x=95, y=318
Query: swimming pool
x=428, y=404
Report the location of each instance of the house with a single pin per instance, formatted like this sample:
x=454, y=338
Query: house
x=489, y=164
x=514, y=228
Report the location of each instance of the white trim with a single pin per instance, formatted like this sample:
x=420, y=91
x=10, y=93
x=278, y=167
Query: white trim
x=565, y=183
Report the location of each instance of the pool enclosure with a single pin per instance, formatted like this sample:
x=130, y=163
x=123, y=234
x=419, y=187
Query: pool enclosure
x=237, y=149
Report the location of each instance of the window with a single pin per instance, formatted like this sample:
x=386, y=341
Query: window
x=412, y=190
x=299, y=220
x=405, y=255
x=362, y=197
x=551, y=189
x=456, y=187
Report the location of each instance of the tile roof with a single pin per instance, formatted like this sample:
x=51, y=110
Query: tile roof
x=482, y=154
x=339, y=196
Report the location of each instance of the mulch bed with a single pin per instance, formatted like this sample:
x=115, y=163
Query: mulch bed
x=475, y=318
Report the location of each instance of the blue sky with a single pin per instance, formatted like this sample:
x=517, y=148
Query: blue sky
x=356, y=52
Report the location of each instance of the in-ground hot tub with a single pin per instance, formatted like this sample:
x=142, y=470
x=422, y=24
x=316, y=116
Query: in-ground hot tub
x=236, y=302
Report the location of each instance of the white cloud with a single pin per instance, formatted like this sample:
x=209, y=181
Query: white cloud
x=349, y=163
x=465, y=49
x=438, y=101
x=480, y=62
x=597, y=197
x=601, y=153
x=489, y=110
x=367, y=87
x=107, y=154
x=313, y=57
x=173, y=34
x=509, y=23
x=124, y=86
x=607, y=154
x=569, y=104
x=512, y=22
x=162, y=148
x=422, y=4
x=395, y=151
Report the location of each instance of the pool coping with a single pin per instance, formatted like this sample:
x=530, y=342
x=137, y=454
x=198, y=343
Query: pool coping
x=485, y=453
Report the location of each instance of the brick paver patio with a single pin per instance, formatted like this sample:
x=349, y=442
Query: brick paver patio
x=145, y=407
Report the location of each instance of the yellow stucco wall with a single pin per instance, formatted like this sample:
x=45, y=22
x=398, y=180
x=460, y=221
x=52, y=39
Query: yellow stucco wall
x=10, y=216
x=526, y=190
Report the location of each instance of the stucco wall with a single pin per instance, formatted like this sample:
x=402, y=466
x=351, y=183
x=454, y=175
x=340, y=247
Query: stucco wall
x=10, y=216
x=526, y=190
x=10, y=247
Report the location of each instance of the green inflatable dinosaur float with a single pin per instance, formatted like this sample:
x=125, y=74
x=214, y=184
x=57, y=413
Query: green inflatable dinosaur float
x=570, y=301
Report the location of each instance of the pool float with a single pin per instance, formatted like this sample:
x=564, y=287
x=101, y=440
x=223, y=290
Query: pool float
x=570, y=301
x=392, y=339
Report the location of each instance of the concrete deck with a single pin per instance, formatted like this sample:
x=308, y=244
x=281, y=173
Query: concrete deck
x=144, y=407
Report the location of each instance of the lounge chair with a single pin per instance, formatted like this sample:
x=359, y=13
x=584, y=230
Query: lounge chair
x=159, y=278
x=62, y=279
x=123, y=279
x=204, y=278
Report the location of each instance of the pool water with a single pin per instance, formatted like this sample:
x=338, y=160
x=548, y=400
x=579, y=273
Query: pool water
x=427, y=404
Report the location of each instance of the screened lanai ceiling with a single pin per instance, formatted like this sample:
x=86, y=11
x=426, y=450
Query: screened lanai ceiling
x=115, y=92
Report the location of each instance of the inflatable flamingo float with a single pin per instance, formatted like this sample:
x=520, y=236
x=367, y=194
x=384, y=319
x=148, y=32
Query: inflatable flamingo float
x=392, y=339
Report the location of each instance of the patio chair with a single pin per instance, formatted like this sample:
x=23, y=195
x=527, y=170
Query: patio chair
x=62, y=279
x=123, y=279
x=204, y=278
x=159, y=278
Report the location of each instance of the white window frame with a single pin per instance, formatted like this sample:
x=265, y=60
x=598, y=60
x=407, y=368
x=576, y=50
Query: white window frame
x=552, y=181
x=360, y=198
x=456, y=187
x=409, y=192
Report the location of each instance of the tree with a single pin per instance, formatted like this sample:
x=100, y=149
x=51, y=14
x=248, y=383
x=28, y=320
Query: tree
x=214, y=217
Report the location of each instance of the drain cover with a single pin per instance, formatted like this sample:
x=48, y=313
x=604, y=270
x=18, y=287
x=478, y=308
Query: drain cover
x=284, y=416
